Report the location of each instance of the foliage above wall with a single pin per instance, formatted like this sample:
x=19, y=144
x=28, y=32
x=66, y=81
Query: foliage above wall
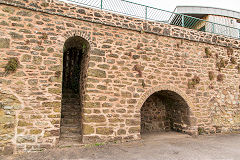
x=193, y=82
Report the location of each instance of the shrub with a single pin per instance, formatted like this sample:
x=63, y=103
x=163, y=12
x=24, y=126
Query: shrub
x=221, y=64
x=220, y=77
x=200, y=130
x=211, y=75
x=238, y=68
x=58, y=74
x=44, y=36
x=143, y=83
x=12, y=65
x=229, y=51
x=139, y=69
x=233, y=61
x=193, y=82
x=208, y=52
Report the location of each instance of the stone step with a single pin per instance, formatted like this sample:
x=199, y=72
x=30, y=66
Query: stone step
x=70, y=104
x=71, y=100
x=72, y=96
x=70, y=121
x=66, y=113
x=70, y=110
x=71, y=107
x=67, y=116
x=76, y=137
x=70, y=129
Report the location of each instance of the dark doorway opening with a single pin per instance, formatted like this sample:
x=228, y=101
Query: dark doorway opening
x=165, y=111
x=74, y=69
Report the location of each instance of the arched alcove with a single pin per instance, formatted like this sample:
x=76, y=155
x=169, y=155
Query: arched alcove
x=164, y=111
x=74, y=72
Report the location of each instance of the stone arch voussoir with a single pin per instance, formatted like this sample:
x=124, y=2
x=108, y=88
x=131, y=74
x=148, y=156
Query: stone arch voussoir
x=83, y=34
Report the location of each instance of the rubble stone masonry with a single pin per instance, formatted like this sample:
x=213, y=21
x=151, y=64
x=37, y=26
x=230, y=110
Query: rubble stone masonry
x=126, y=61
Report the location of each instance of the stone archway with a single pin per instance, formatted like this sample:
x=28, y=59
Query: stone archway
x=75, y=54
x=166, y=108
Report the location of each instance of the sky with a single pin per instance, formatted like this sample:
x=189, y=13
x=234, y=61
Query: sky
x=171, y=4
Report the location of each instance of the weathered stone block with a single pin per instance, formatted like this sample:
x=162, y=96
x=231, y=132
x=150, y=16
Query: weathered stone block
x=101, y=87
x=97, y=73
x=115, y=120
x=8, y=150
x=87, y=129
x=104, y=66
x=4, y=23
x=132, y=122
x=55, y=91
x=4, y=43
x=126, y=94
x=92, y=105
x=24, y=123
x=52, y=104
x=104, y=131
x=50, y=50
x=51, y=133
x=37, y=60
x=94, y=118
x=24, y=13
x=20, y=74
x=35, y=131
x=26, y=139
x=15, y=35
x=107, y=105
x=6, y=119
x=10, y=10
x=55, y=68
x=134, y=130
x=33, y=81
x=121, y=132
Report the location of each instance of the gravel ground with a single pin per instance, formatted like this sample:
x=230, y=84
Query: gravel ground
x=161, y=146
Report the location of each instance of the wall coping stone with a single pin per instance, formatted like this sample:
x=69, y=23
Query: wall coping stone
x=55, y=7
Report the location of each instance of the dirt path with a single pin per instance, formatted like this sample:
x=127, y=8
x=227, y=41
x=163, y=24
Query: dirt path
x=165, y=146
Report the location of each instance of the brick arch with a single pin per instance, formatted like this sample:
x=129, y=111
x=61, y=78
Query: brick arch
x=153, y=90
x=149, y=92
x=83, y=34
x=75, y=33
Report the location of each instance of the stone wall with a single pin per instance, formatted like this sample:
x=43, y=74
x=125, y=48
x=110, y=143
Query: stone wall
x=128, y=61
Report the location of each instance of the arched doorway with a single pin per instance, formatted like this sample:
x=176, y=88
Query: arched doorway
x=165, y=111
x=74, y=73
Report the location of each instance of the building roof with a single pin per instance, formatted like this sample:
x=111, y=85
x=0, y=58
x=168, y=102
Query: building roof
x=200, y=11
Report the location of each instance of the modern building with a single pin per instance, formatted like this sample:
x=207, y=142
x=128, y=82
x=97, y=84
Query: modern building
x=215, y=20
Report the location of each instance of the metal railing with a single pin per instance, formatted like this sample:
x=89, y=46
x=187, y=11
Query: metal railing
x=159, y=15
